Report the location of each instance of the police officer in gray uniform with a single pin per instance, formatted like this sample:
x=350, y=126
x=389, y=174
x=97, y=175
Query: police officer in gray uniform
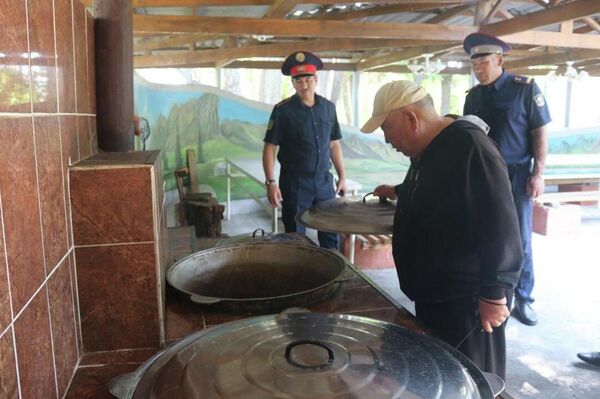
x=516, y=111
x=306, y=130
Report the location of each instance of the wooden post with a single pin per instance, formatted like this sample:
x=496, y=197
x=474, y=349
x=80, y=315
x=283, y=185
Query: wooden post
x=114, y=74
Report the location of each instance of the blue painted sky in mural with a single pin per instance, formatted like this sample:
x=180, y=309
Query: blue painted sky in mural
x=159, y=99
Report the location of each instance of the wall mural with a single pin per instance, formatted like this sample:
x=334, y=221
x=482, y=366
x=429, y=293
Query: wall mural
x=218, y=124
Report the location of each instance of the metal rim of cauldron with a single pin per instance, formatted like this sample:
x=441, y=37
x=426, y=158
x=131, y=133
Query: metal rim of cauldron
x=298, y=298
x=128, y=386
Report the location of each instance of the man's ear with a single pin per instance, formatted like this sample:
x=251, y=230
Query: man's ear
x=412, y=120
x=500, y=59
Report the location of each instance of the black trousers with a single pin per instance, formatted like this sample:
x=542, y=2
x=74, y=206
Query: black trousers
x=457, y=322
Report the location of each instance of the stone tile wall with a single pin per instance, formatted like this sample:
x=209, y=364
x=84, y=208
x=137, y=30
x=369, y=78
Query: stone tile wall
x=47, y=121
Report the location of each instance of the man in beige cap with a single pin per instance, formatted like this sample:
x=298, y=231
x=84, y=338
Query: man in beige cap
x=456, y=239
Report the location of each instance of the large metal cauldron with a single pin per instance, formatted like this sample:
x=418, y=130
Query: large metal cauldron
x=306, y=355
x=258, y=277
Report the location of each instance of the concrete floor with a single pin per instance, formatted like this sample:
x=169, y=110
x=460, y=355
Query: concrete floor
x=542, y=361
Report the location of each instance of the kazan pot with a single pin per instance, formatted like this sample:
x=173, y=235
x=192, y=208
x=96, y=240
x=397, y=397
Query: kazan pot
x=307, y=355
x=258, y=277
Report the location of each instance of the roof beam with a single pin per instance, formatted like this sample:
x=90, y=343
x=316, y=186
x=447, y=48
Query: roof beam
x=383, y=10
x=551, y=59
x=554, y=39
x=159, y=24
x=281, y=8
x=548, y=16
x=178, y=59
x=449, y=13
x=174, y=42
x=404, y=55
x=197, y=3
x=591, y=22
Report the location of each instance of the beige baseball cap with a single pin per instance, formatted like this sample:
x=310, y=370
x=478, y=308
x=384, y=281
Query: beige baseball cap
x=391, y=96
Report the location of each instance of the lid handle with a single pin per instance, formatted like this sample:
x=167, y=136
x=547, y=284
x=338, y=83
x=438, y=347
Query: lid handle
x=382, y=200
x=262, y=233
x=292, y=345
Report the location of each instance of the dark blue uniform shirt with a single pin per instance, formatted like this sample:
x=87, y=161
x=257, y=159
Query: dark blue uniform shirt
x=512, y=106
x=303, y=134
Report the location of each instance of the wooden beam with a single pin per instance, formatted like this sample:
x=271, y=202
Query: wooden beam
x=383, y=10
x=566, y=26
x=554, y=39
x=159, y=24
x=174, y=42
x=449, y=13
x=387, y=59
x=492, y=12
x=281, y=8
x=503, y=13
x=175, y=59
x=553, y=15
x=198, y=3
x=550, y=59
x=591, y=22
x=328, y=66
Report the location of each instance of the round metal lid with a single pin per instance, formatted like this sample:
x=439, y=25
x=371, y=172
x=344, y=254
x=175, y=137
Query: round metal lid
x=350, y=216
x=309, y=355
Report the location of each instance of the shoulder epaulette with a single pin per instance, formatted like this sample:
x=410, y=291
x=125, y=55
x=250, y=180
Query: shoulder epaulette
x=285, y=100
x=523, y=80
x=472, y=88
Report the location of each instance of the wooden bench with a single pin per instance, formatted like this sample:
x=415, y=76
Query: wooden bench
x=582, y=189
x=568, y=196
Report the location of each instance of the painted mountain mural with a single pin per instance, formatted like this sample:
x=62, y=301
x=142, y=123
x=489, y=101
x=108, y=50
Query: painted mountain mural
x=220, y=125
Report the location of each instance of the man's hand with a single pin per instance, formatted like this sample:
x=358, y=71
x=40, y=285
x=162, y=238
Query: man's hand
x=385, y=191
x=274, y=195
x=340, y=187
x=493, y=312
x=535, y=186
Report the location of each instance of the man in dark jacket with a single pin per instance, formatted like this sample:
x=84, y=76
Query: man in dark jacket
x=456, y=241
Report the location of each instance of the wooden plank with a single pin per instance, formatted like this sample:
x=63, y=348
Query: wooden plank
x=550, y=59
x=451, y=12
x=384, y=10
x=266, y=50
x=592, y=23
x=569, y=196
x=553, y=39
x=197, y=3
x=549, y=16
x=174, y=42
x=159, y=24
x=281, y=8
x=387, y=59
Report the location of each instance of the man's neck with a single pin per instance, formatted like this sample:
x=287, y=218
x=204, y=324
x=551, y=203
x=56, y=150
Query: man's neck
x=496, y=79
x=309, y=102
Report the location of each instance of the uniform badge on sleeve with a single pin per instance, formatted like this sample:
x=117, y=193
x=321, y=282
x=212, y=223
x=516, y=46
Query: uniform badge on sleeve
x=539, y=100
x=270, y=125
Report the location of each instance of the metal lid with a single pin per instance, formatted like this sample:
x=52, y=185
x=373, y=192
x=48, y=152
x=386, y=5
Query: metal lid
x=308, y=355
x=343, y=215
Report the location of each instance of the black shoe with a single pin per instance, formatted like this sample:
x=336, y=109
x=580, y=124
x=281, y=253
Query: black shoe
x=523, y=312
x=590, y=357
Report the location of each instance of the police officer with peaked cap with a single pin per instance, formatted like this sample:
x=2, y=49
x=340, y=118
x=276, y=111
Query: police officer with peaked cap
x=306, y=130
x=516, y=111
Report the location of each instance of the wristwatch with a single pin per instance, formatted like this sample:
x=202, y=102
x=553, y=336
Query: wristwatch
x=269, y=182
